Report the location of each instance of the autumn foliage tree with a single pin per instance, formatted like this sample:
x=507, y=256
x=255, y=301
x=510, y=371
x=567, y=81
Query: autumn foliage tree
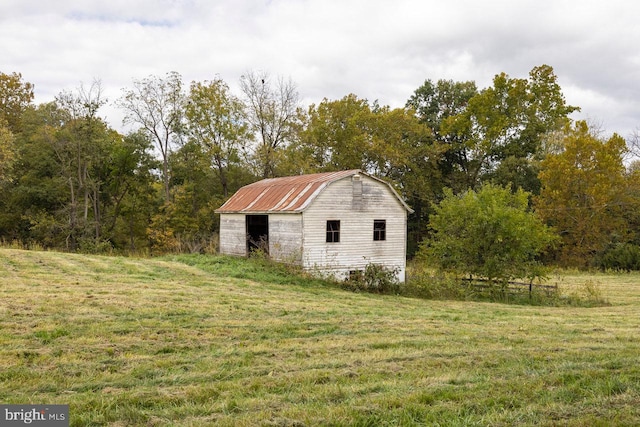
x=583, y=193
x=337, y=135
x=216, y=124
x=70, y=181
x=16, y=96
x=7, y=151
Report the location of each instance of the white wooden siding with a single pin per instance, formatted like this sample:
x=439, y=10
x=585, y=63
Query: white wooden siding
x=233, y=234
x=301, y=237
x=356, y=248
x=285, y=237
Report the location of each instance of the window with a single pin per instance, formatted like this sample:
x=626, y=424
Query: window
x=333, y=231
x=379, y=229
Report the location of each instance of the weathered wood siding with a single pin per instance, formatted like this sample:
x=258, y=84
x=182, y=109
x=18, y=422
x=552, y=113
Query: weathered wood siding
x=301, y=237
x=356, y=205
x=233, y=234
x=285, y=237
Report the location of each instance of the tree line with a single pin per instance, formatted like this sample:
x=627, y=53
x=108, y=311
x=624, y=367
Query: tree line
x=69, y=181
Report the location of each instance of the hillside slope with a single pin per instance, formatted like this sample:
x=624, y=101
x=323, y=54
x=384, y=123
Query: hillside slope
x=129, y=341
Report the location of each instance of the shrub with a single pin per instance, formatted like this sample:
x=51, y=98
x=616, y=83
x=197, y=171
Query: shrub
x=376, y=278
x=488, y=234
x=89, y=245
x=429, y=283
x=623, y=256
x=437, y=287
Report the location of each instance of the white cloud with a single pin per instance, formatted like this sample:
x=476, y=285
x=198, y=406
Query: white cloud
x=377, y=49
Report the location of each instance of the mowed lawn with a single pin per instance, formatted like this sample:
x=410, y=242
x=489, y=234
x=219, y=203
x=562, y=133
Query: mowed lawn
x=196, y=341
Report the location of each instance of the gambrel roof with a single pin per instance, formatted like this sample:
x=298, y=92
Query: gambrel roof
x=288, y=194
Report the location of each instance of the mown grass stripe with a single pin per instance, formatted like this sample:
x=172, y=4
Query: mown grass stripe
x=178, y=341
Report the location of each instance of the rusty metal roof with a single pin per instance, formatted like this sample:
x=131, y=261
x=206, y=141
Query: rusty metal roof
x=287, y=194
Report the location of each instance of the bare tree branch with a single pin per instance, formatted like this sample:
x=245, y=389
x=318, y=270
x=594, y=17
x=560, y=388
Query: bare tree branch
x=156, y=105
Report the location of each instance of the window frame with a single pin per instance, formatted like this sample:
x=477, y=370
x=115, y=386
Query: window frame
x=379, y=233
x=333, y=231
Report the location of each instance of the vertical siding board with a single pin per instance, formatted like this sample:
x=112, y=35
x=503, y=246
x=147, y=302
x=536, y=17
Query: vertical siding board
x=233, y=234
x=285, y=237
x=356, y=247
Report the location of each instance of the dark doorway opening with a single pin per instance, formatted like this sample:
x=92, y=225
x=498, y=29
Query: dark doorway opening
x=257, y=233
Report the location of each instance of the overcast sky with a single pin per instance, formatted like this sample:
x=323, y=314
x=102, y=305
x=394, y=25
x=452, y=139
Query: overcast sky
x=375, y=49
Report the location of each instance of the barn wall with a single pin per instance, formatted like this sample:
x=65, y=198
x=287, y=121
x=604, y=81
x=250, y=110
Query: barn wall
x=356, y=248
x=233, y=234
x=285, y=237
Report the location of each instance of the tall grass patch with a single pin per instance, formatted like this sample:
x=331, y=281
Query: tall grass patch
x=557, y=290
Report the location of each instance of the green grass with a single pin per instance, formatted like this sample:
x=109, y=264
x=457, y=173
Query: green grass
x=194, y=340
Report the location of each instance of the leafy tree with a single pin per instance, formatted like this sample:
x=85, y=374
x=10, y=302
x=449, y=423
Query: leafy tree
x=405, y=152
x=622, y=251
x=156, y=104
x=127, y=193
x=215, y=121
x=272, y=112
x=488, y=234
x=7, y=152
x=583, y=193
x=434, y=104
x=632, y=201
x=15, y=97
x=351, y=134
x=37, y=192
x=77, y=184
x=337, y=135
x=204, y=170
x=403, y=149
x=509, y=120
x=80, y=145
x=187, y=222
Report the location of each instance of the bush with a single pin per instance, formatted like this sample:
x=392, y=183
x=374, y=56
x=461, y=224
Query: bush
x=487, y=234
x=623, y=256
x=376, y=278
x=90, y=245
x=423, y=282
x=429, y=283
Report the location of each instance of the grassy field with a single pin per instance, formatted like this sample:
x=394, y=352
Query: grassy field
x=196, y=341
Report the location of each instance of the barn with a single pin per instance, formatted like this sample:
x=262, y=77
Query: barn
x=331, y=223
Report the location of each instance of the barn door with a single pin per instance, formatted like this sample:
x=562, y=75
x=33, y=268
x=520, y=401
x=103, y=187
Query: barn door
x=257, y=233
